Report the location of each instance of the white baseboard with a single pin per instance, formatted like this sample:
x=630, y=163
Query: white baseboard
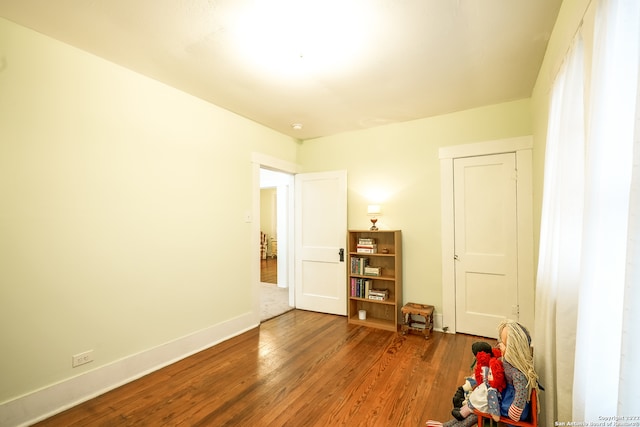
x=437, y=322
x=48, y=401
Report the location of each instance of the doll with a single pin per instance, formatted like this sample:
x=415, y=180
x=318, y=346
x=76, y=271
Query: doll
x=515, y=344
x=486, y=396
x=462, y=393
x=517, y=359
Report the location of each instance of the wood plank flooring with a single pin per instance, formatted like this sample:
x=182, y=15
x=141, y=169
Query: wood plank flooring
x=298, y=369
x=269, y=270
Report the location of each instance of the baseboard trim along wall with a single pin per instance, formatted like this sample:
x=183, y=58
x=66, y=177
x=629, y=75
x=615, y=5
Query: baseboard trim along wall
x=48, y=401
x=437, y=322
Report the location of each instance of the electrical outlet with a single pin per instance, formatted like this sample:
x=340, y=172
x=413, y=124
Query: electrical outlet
x=81, y=358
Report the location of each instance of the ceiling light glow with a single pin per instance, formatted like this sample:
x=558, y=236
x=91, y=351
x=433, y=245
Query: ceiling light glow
x=295, y=37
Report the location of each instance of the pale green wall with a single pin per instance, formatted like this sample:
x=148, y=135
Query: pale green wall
x=122, y=211
x=398, y=166
x=267, y=211
x=110, y=195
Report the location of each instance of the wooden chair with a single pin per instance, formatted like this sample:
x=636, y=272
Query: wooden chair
x=532, y=420
x=263, y=245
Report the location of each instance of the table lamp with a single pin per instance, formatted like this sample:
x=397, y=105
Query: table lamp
x=373, y=211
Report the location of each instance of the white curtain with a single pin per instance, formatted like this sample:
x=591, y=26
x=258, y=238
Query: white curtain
x=630, y=352
x=608, y=172
x=558, y=276
x=588, y=273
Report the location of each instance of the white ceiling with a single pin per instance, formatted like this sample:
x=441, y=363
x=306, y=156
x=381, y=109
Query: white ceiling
x=331, y=65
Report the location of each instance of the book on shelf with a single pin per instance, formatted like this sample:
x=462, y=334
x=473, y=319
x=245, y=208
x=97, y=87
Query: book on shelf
x=366, y=241
x=360, y=287
x=358, y=265
x=378, y=294
x=372, y=271
x=367, y=249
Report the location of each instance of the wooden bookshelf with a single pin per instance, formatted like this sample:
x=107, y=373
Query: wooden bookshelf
x=387, y=256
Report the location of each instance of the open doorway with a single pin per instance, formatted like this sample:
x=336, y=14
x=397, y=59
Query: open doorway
x=274, y=231
x=269, y=235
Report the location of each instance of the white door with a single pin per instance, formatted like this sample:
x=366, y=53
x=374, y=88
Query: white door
x=486, y=275
x=321, y=230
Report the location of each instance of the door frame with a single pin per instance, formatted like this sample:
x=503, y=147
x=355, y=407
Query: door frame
x=259, y=161
x=522, y=147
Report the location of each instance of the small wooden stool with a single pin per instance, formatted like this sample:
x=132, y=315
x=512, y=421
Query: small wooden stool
x=417, y=318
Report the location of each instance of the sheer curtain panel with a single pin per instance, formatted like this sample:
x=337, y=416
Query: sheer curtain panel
x=588, y=272
x=608, y=171
x=558, y=275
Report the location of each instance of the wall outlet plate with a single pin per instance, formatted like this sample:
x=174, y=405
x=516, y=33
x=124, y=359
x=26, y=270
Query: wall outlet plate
x=82, y=358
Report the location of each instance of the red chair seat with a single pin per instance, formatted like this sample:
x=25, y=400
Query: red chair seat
x=531, y=422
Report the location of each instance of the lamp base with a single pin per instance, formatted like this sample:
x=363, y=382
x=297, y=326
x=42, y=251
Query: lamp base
x=373, y=226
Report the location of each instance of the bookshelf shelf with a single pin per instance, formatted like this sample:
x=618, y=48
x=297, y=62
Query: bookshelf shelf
x=364, y=276
x=376, y=302
x=383, y=254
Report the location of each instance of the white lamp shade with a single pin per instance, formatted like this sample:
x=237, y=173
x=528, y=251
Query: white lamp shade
x=373, y=210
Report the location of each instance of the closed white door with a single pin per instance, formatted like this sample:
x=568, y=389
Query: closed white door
x=486, y=275
x=321, y=233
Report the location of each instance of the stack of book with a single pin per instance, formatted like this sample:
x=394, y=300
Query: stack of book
x=367, y=245
x=372, y=271
x=378, y=294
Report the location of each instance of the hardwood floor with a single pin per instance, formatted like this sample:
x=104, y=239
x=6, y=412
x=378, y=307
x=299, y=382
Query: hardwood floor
x=298, y=369
x=269, y=270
